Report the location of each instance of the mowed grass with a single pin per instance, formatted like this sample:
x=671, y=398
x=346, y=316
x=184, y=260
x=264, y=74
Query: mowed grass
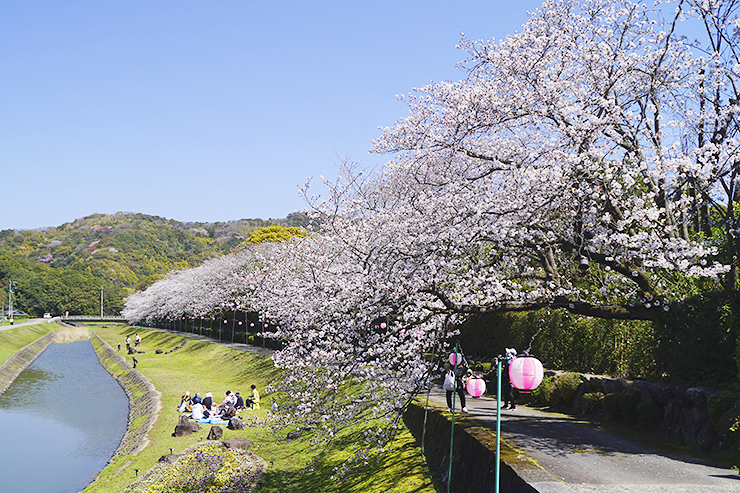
x=11, y=340
x=203, y=367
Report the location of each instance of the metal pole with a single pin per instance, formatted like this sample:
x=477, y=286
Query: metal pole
x=498, y=423
x=10, y=301
x=101, y=301
x=452, y=430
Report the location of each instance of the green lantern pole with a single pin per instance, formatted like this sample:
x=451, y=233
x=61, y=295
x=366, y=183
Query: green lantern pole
x=452, y=431
x=498, y=423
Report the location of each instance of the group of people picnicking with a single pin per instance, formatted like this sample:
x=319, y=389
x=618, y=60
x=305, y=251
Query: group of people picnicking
x=204, y=408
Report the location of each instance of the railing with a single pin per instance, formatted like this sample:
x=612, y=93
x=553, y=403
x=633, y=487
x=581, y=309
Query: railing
x=92, y=318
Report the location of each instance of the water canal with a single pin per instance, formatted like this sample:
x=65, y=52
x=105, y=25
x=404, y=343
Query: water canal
x=60, y=421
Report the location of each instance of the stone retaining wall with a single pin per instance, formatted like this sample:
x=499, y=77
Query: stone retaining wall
x=685, y=414
x=144, y=399
x=473, y=460
x=13, y=366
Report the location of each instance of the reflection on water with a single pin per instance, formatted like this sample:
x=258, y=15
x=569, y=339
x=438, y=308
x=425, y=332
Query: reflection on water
x=60, y=421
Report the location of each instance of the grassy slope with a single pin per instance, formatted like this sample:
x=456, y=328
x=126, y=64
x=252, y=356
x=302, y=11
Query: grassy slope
x=206, y=367
x=11, y=340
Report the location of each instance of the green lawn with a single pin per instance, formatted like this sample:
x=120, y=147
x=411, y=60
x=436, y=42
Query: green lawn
x=203, y=367
x=11, y=340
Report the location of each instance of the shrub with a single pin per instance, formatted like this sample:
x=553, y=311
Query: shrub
x=717, y=405
x=628, y=401
x=542, y=395
x=728, y=425
x=592, y=402
x=610, y=403
x=565, y=387
x=648, y=415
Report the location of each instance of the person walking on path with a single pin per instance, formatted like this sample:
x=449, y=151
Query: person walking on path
x=506, y=388
x=451, y=384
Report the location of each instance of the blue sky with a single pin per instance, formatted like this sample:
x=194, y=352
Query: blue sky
x=209, y=111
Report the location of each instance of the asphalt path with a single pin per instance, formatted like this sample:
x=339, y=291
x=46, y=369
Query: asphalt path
x=232, y=345
x=30, y=321
x=578, y=456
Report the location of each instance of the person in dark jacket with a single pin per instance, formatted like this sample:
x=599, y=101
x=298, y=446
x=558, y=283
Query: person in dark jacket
x=507, y=390
x=239, y=402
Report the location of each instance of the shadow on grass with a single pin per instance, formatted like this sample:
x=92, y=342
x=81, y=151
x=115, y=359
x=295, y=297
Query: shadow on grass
x=390, y=471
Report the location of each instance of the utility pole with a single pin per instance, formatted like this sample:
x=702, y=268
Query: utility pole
x=10, y=301
x=101, y=301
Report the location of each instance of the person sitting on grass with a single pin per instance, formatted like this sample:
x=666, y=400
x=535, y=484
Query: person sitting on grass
x=185, y=403
x=229, y=400
x=239, y=403
x=228, y=413
x=253, y=401
x=198, y=411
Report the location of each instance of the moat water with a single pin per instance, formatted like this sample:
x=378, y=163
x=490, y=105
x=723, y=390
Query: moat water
x=60, y=421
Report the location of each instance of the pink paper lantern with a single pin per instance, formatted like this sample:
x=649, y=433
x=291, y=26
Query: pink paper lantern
x=455, y=358
x=526, y=373
x=475, y=386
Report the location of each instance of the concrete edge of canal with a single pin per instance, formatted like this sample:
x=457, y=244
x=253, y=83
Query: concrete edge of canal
x=21, y=359
x=144, y=400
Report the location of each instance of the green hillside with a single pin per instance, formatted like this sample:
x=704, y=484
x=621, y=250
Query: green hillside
x=62, y=268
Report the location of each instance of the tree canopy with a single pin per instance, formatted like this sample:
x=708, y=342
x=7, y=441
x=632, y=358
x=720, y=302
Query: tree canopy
x=598, y=136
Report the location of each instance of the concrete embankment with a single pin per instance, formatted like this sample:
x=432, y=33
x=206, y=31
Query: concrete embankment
x=473, y=453
x=144, y=399
x=13, y=366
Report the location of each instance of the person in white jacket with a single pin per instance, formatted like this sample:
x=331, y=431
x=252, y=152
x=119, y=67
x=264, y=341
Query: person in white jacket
x=451, y=384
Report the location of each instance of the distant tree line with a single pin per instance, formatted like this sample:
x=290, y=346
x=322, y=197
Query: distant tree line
x=63, y=268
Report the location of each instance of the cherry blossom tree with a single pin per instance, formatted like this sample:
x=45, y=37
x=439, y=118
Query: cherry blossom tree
x=573, y=143
x=574, y=140
x=587, y=162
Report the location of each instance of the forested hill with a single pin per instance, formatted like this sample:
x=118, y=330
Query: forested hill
x=63, y=268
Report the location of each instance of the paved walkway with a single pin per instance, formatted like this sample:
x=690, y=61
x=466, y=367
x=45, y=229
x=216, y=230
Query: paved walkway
x=30, y=321
x=577, y=456
x=233, y=345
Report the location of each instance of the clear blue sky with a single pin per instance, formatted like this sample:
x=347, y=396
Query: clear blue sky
x=209, y=111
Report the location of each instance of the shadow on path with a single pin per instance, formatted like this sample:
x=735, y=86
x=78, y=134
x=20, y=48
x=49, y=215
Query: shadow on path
x=576, y=455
